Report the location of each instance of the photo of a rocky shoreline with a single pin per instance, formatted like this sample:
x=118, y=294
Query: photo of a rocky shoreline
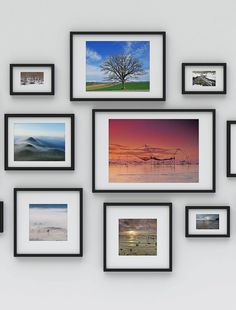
x=137, y=237
x=204, y=78
x=207, y=221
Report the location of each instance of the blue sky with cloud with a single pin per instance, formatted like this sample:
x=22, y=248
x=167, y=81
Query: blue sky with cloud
x=39, y=129
x=98, y=51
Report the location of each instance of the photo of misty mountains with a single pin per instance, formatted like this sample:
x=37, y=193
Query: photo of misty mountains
x=39, y=141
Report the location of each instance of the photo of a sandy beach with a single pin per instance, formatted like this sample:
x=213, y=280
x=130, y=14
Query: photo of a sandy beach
x=153, y=150
x=48, y=222
x=137, y=237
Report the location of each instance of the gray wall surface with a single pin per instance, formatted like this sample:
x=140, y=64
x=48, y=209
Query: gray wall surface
x=204, y=270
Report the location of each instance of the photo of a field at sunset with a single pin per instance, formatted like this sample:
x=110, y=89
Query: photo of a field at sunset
x=153, y=150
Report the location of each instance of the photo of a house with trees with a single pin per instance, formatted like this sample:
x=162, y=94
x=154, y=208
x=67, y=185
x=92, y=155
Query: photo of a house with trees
x=117, y=65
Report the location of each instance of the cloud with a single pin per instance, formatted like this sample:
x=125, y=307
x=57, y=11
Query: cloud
x=93, y=74
x=138, y=225
x=128, y=47
x=131, y=48
x=93, y=55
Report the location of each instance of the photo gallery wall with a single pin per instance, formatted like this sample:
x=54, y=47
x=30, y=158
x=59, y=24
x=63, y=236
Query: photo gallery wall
x=133, y=151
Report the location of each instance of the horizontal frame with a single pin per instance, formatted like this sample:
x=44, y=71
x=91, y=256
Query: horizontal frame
x=188, y=208
x=186, y=64
x=16, y=190
x=94, y=190
x=162, y=33
x=228, y=149
x=52, y=92
x=72, y=159
x=105, y=269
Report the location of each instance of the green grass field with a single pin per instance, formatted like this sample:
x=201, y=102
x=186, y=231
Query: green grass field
x=129, y=86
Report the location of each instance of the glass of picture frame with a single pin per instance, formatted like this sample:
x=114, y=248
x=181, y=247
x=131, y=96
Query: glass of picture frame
x=39, y=141
x=48, y=222
x=205, y=221
x=153, y=150
x=137, y=237
x=204, y=78
x=32, y=79
x=117, y=65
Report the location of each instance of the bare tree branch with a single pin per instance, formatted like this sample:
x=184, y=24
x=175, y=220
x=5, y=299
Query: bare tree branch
x=121, y=68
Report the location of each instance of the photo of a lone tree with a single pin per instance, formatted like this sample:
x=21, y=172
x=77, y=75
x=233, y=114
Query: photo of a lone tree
x=117, y=65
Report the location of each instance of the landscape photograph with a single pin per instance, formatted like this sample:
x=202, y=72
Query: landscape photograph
x=48, y=222
x=27, y=78
x=204, y=78
x=117, y=66
x=153, y=150
x=207, y=221
x=137, y=237
x=39, y=141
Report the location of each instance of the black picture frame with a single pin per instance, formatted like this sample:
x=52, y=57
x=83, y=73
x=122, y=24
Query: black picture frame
x=45, y=93
x=159, y=33
x=15, y=250
x=105, y=268
x=188, y=92
x=228, y=149
x=189, y=235
x=1, y=217
x=72, y=141
x=213, y=188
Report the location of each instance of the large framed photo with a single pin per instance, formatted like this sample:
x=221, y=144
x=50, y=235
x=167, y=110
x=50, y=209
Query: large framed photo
x=207, y=221
x=48, y=222
x=204, y=78
x=231, y=148
x=39, y=141
x=117, y=65
x=137, y=237
x=154, y=150
x=31, y=79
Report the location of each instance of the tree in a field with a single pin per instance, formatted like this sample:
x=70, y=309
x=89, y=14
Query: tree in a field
x=121, y=68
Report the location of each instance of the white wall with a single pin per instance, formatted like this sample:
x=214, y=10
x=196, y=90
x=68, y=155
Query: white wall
x=204, y=270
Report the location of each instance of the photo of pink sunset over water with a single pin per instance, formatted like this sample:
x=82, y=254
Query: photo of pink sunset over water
x=153, y=150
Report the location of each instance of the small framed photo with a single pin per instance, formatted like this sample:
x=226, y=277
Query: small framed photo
x=153, y=150
x=207, y=221
x=1, y=217
x=204, y=78
x=137, y=237
x=231, y=148
x=32, y=79
x=39, y=141
x=117, y=65
x=48, y=222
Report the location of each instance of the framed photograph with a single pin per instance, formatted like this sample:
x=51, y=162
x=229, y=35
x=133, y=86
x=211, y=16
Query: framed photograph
x=39, y=141
x=117, y=65
x=1, y=217
x=207, y=222
x=231, y=148
x=204, y=78
x=31, y=79
x=154, y=150
x=137, y=237
x=48, y=222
